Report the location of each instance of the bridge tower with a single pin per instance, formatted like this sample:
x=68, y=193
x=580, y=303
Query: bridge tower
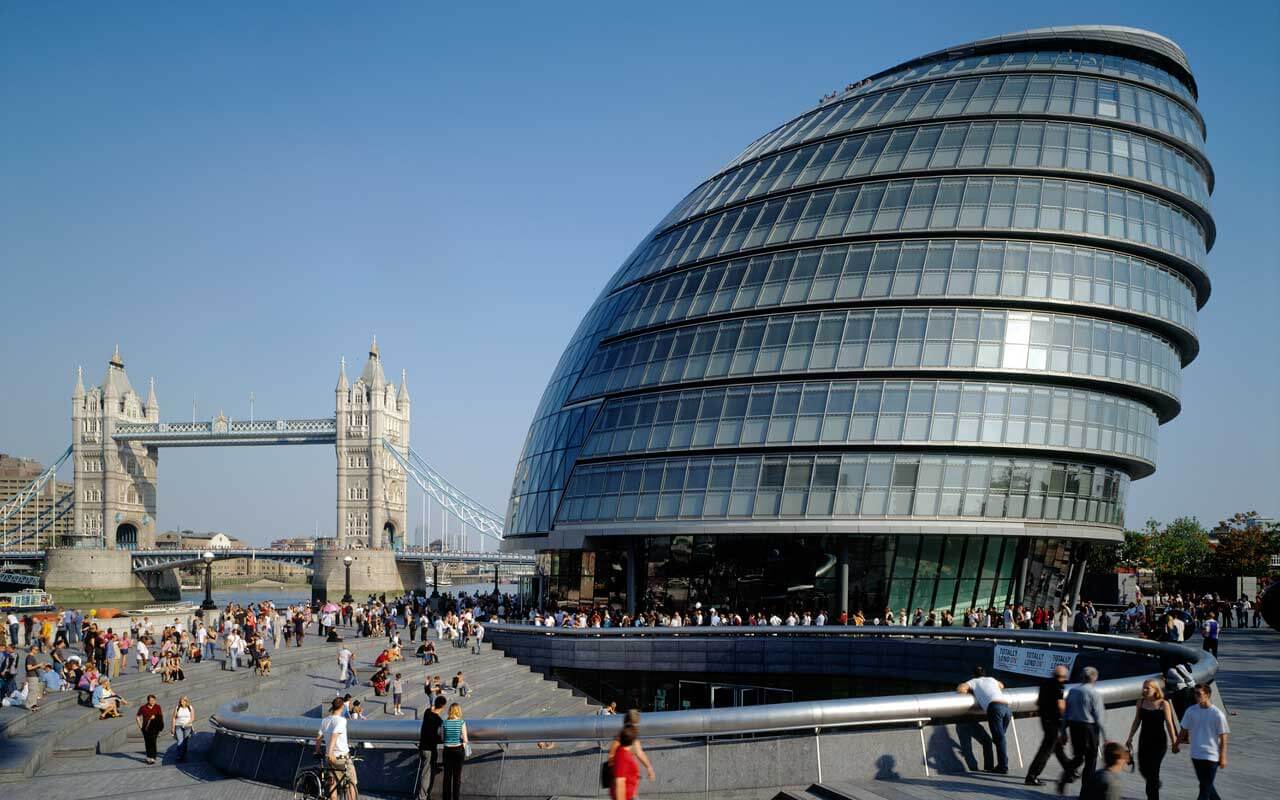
x=372, y=488
x=115, y=482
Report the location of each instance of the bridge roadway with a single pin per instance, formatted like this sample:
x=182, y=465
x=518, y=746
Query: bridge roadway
x=157, y=560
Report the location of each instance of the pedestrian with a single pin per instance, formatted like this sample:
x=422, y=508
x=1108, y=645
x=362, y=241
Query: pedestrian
x=1050, y=703
x=1209, y=630
x=183, y=722
x=989, y=694
x=150, y=719
x=1154, y=714
x=397, y=694
x=113, y=657
x=1083, y=717
x=333, y=737
x=454, y=739
x=1104, y=784
x=624, y=770
x=346, y=675
x=1205, y=728
x=631, y=720
x=429, y=738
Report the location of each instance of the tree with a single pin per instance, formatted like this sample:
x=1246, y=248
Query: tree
x=1132, y=553
x=1245, y=545
x=1179, y=549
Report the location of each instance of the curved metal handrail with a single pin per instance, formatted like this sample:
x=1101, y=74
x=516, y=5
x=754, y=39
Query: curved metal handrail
x=939, y=707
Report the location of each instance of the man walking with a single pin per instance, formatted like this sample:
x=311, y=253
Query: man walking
x=1084, y=715
x=989, y=694
x=1205, y=728
x=1050, y=703
x=1209, y=633
x=429, y=739
x=346, y=675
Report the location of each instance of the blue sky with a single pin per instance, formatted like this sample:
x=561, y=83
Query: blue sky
x=241, y=195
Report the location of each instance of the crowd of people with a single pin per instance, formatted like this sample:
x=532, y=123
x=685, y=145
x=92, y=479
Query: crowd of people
x=71, y=652
x=1165, y=718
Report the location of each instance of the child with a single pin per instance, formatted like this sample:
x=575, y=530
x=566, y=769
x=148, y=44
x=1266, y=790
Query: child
x=397, y=692
x=357, y=710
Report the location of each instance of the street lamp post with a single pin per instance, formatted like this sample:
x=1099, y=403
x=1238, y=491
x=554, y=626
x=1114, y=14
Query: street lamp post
x=346, y=596
x=208, y=603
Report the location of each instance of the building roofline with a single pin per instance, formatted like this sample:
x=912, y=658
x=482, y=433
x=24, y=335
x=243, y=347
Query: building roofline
x=1108, y=39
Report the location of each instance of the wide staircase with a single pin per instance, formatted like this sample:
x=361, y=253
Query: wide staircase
x=65, y=727
x=499, y=687
x=65, y=737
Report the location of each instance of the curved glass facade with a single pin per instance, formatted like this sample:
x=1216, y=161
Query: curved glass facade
x=960, y=269
x=825, y=353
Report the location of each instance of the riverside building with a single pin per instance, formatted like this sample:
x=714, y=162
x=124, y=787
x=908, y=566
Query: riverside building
x=908, y=349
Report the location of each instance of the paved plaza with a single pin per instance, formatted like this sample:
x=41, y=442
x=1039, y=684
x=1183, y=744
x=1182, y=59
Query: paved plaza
x=1248, y=688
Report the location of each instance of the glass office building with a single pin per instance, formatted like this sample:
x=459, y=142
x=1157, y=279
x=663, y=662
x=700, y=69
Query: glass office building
x=908, y=349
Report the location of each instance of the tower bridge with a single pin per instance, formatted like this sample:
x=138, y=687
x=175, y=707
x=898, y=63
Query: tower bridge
x=115, y=445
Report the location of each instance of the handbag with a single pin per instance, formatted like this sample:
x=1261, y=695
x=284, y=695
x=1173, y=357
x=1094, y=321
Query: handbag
x=466, y=749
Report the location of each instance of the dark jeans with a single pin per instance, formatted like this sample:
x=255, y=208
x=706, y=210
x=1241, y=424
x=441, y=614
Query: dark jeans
x=1206, y=771
x=1049, y=744
x=453, y=758
x=430, y=768
x=998, y=717
x=1211, y=646
x=1084, y=747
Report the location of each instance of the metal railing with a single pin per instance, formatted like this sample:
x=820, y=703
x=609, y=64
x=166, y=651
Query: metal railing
x=810, y=716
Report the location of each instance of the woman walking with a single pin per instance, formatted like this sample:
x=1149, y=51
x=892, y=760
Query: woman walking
x=624, y=769
x=631, y=720
x=184, y=721
x=454, y=735
x=1154, y=715
x=150, y=721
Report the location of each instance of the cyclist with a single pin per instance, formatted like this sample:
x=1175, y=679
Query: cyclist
x=337, y=752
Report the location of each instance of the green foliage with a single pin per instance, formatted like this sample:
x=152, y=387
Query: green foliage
x=1132, y=553
x=1179, y=549
x=1245, y=545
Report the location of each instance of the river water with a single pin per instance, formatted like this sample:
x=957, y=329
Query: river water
x=290, y=594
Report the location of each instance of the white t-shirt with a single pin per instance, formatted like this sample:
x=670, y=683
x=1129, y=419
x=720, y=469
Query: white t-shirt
x=986, y=691
x=335, y=727
x=182, y=717
x=344, y=657
x=202, y=635
x=1205, y=726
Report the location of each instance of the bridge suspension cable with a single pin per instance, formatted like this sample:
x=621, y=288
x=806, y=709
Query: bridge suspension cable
x=457, y=502
x=12, y=530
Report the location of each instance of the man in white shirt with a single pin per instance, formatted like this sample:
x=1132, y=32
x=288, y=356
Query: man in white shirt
x=775, y=620
x=989, y=694
x=337, y=751
x=344, y=668
x=821, y=619
x=1205, y=728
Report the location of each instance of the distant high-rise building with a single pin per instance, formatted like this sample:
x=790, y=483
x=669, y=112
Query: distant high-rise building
x=51, y=511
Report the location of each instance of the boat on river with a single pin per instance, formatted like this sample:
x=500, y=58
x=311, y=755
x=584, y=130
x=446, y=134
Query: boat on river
x=174, y=609
x=26, y=601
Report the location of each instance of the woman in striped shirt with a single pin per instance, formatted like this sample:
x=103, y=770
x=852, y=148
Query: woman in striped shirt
x=454, y=739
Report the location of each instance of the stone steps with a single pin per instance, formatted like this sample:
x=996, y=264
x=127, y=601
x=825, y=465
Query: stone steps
x=65, y=726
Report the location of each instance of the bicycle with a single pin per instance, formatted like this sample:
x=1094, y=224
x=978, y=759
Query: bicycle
x=324, y=782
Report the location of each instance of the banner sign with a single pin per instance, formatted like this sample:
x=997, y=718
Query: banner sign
x=1027, y=661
